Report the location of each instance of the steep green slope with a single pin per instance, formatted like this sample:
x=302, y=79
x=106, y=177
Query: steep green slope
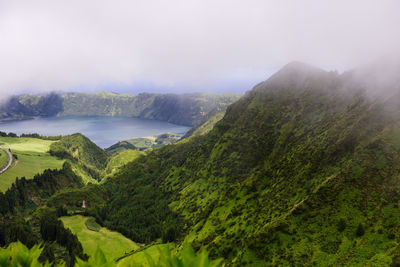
x=119, y=159
x=87, y=158
x=302, y=170
x=29, y=106
x=207, y=125
x=80, y=148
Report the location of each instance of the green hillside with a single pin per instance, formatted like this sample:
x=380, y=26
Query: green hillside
x=32, y=157
x=300, y=171
x=207, y=125
x=120, y=159
x=80, y=148
x=143, y=143
x=87, y=159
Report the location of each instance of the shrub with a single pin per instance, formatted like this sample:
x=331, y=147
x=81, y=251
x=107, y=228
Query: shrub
x=360, y=230
x=341, y=225
x=92, y=225
x=17, y=254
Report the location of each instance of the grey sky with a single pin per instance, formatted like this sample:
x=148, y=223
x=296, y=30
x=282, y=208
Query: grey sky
x=184, y=45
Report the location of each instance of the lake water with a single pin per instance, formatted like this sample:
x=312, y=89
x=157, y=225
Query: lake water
x=104, y=131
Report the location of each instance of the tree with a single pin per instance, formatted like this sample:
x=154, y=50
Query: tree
x=360, y=230
x=341, y=225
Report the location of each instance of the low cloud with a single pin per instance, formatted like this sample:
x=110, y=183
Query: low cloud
x=184, y=45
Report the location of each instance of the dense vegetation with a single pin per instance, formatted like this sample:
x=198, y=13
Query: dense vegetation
x=80, y=148
x=138, y=209
x=206, y=125
x=25, y=217
x=301, y=170
x=17, y=254
x=187, y=109
x=82, y=153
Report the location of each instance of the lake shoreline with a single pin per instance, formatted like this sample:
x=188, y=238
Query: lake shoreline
x=102, y=130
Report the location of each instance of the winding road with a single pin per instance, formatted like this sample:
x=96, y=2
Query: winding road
x=9, y=160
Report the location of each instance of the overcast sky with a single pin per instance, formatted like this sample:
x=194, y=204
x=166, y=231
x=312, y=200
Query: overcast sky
x=184, y=46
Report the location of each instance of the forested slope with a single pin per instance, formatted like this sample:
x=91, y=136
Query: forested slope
x=302, y=170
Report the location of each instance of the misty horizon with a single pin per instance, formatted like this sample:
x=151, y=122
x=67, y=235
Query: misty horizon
x=184, y=47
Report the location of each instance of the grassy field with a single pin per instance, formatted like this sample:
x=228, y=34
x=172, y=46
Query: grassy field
x=33, y=158
x=113, y=244
x=121, y=158
x=139, y=258
x=3, y=159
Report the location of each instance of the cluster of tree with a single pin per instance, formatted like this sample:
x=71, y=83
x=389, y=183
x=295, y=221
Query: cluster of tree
x=43, y=137
x=10, y=134
x=31, y=135
x=24, y=197
x=28, y=193
x=46, y=229
x=138, y=208
x=93, y=194
x=52, y=229
x=15, y=228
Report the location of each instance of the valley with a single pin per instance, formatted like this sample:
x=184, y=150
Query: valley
x=199, y=133
x=302, y=170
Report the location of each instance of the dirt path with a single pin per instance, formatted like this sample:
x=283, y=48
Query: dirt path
x=9, y=160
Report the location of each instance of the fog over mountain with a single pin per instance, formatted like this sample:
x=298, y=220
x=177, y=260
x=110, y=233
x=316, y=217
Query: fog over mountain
x=183, y=46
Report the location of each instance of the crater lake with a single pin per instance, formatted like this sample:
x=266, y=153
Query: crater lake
x=104, y=131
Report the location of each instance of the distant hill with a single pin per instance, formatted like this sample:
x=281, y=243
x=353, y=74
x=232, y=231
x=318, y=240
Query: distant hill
x=144, y=143
x=185, y=109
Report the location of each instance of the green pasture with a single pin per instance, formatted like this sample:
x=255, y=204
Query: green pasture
x=32, y=158
x=113, y=244
x=139, y=258
x=121, y=158
x=3, y=158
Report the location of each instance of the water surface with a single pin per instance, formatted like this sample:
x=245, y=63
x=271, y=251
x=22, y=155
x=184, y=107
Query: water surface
x=104, y=131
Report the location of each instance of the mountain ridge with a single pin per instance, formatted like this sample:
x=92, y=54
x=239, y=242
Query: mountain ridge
x=300, y=150
x=302, y=170
x=186, y=109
